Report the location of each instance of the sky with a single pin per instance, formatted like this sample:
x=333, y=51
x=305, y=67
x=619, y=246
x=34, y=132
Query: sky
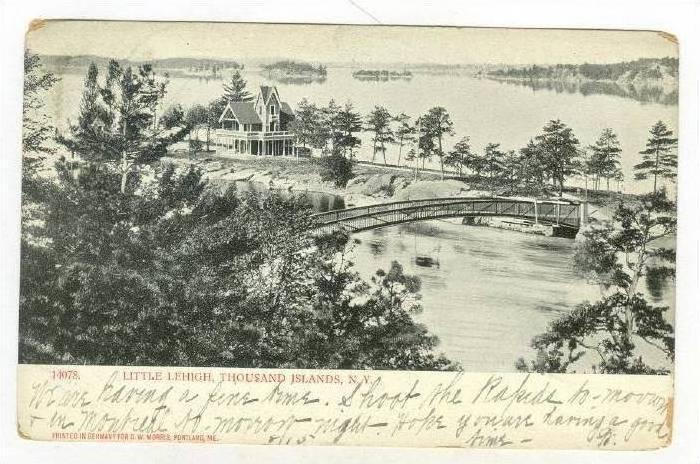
x=331, y=43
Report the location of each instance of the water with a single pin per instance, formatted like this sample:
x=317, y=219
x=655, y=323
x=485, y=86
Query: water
x=492, y=291
x=483, y=109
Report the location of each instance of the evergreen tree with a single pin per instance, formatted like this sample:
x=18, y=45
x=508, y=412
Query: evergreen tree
x=36, y=127
x=559, y=149
x=605, y=157
x=405, y=132
x=493, y=160
x=307, y=119
x=426, y=141
x=117, y=129
x=659, y=158
x=235, y=89
x=438, y=124
x=511, y=169
x=37, y=131
x=616, y=257
x=137, y=279
x=328, y=131
x=378, y=122
x=533, y=166
x=412, y=156
x=460, y=156
x=173, y=116
x=347, y=123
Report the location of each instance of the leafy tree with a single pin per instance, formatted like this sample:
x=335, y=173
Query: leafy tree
x=412, y=157
x=378, y=122
x=426, y=141
x=235, y=89
x=461, y=156
x=347, y=122
x=616, y=257
x=196, y=116
x=328, y=131
x=559, y=149
x=533, y=166
x=438, y=124
x=37, y=129
x=336, y=168
x=511, y=170
x=493, y=160
x=605, y=157
x=195, y=146
x=379, y=331
x=405, y=132
x=106, y=284
x=659, y=158
x=115, y=128
x=306, y=122
x=173, y=116
x=216, y=108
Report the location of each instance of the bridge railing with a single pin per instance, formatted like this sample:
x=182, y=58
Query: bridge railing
x=563, y=212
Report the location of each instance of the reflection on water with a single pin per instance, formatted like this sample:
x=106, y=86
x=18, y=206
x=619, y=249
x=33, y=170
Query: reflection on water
x=642, y=94
x=492, y=292
x=483, y=109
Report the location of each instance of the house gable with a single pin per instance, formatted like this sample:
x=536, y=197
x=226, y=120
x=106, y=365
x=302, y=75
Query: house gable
x=258, y=114
x=228, y=114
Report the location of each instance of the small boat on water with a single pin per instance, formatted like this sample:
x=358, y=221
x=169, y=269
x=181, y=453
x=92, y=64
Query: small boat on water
x=427, y=261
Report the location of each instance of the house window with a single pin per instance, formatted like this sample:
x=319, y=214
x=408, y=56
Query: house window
x=272, y=109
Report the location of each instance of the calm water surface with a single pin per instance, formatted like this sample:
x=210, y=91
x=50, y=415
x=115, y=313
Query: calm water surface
x=494, y=289
x=483, y=109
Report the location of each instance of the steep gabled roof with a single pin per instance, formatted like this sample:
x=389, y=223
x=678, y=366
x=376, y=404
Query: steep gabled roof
x=286, y=109
x=265, y=92
x=244, y=112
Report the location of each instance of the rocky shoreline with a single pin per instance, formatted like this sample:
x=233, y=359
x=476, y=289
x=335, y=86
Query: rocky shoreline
x=369, y=186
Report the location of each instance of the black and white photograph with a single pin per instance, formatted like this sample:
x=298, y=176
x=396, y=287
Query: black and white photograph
x=349, y=197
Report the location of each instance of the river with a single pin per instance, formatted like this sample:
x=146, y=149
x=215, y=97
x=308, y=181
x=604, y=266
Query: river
x=483, y=109
x=489, y=291
x=494, y=289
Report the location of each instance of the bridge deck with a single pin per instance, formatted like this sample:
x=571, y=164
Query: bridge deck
x=561, y=213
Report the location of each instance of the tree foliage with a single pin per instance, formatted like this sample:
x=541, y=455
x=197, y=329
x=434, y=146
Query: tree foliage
x=558, y=149
x=378, y=123
x=336, y=168
x=176, y=273
x=404, y=133
x=437, y=124
x=117, y=122
x=173, y=116
x=346, y=123
x=659, y=158
x=236, y=89
x=616, y=256
x=37, y=130
x=461, y=157
x=604, y=162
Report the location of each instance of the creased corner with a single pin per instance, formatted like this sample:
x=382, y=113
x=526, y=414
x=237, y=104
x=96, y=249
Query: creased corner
x=668, y=36
x=22, y=434
x=35, y=25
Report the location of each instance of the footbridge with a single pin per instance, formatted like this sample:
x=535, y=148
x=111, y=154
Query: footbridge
x=567, y=215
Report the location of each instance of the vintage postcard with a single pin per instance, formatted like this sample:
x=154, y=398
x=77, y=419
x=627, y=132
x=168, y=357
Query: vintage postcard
x=399, y=236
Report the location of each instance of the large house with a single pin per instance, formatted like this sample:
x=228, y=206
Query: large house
x=258, y=127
